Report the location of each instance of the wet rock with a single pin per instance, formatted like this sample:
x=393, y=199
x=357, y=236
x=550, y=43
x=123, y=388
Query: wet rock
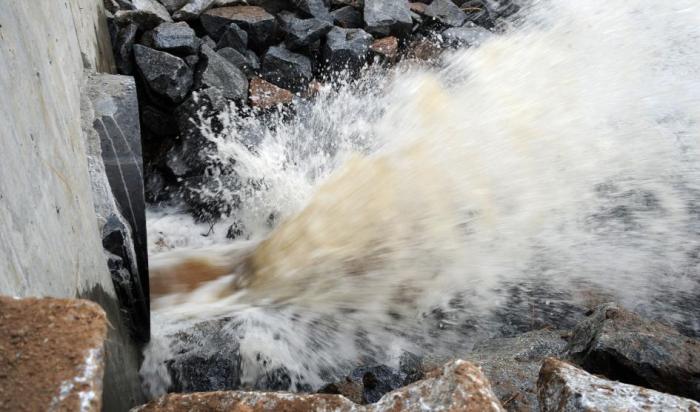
x=385, y=17
x=233, y=37
x=248, y=62
x=623, y=346
x=177, y=38
x=446, y=12
x=192, y=9
x=563, y=387
x=52, y=355
x=215, y=71
x=347, y=17
x=468, y=35
x=477, y=12
x=123, y=48
x=173, y=5
x=155, y=187
x=315, y=8
x=146, y=14
x=115, y=5
x=167, y=75
x=286, y=69
x=303, y=32
x=346, y=48
x=424, y=49
x=158, y=121
x=264, y=95
x=386, y=49
x=418, y=8
x=500, y=8
x=260, y=25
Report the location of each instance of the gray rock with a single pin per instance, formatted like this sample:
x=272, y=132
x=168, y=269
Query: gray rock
x=233, y=37
x=286, y=69
x=446, y=12
x=315, y=8
x=346, y=48
x=192, y=60
x=304, y=32
x=167, y=75
x=157, y=121
x=123, y=48
x=218, y=72
x=248, y=63
x=347, y=17
x=563, y=387
x=176, y=38
x=500, y=8
x=468, y=35
x=146, y=14
x=385, y=17
x=115, y=5
x=623, y=346
x=260, y=25
x=209, y=42
x=173, y=5
x=192, y=9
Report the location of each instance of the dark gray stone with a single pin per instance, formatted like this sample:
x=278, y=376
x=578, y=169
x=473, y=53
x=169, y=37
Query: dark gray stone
x=209, y=42
x=446, y=12
x=315, y=8
x=146, y=14
x=234, y=37
x=346, y=49
x=115, y=5
x=248, y=63
x=123, y=48
x=192, y=9
x=468, y=35
x=385, y=17
x=304, y=32
x=192, y=60
x=623, y=346
x=173, y=5
x=178, y=38
x=347, y=17
x=215, y=71
x=260, y=25
x=167, y=75
x=158, y=121
x=286, y=69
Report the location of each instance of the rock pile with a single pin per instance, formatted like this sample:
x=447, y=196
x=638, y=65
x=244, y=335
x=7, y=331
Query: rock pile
x=195, y=58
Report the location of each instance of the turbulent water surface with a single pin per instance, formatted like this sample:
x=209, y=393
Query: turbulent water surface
x=419, y=207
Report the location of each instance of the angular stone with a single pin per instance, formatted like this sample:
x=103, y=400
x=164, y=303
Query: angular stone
x=367, y=384
x=167, y=75
x=563, y=387
x=178, y=38
x=623, y=346
x=347, y=17
x=315, y=8
x=424, y=49
x=385, y=17
x=468, y=35
x=286, y=69
x=233, y=37
x=248, y=62
x=417, y=7
x=304, y=32
x=264, y=95
x=260, y=25
x=173, y=5
x=192, y=9
x=123, y=48
x=387, y=48
x=446, y=12
x=146, y=14
x=346, y=48
x=220, y=73
x=115, y=5
x=52, y=354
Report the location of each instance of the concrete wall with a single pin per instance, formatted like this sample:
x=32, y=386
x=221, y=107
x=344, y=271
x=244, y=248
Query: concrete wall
x=49, y=239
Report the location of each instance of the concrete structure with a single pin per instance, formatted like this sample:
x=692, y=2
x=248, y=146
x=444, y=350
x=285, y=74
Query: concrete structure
x=50, y=244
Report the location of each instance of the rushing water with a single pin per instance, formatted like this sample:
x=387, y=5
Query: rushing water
x=562, y=155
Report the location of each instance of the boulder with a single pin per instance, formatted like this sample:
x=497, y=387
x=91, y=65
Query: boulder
x=385, y=17
x=166, y=75
x=215, y=71
x=563, y=387
x=52, y=354
x=446, y=12
x=346, y=48
x=260, y=25
x=386, y=49
x=264, y=95
x=176, y=38
x=347, y=17
x=467, y=35
x=301, y=33
x=233, y=37
x=146, y=14
x=286, y=69
x=192, y=9
x=123, y=48
x=623, y=346
x=248, y=62
x=315, y=8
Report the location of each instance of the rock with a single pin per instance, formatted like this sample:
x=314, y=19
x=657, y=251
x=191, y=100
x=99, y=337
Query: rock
x=500, y=8
x=346, y=48
x=167, y=75
x=157, y=121
x=418, y=8
x=173, y=5
x=209, y=42
x=176, y=38
x=446, y=12
x=233, y=37
x=477, y=12
x=385, y=17
x=286, y=69
x=248, y=62
x=155, y=187
x=315, y=8
x=146, y=14
x=424, y=49
x=192, y=60
x=623, y=346
x=563, y=387
x=458, y=385
x=219, y=73
x=264, y=95
x=304, y=32
x=115, y=5
x=192, y=9
x=387, y=48
x=52, y=355
x=123, y=48
x=367, y=384
x=347, y=17
x=468, y=35
x=260, y=25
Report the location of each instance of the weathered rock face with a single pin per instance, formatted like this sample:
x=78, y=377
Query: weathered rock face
x=346, y=48
x=459, y=385
x=347, y=17
x=623, y=346
x=563, y=387
x=286, y=69
x=221, y=74
x=304, y=32
x=166, y=75
x=177, y=38
x=446, y=12
x=51, y=352
x=264, y=95
x=260, y=25
x=385, y=17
